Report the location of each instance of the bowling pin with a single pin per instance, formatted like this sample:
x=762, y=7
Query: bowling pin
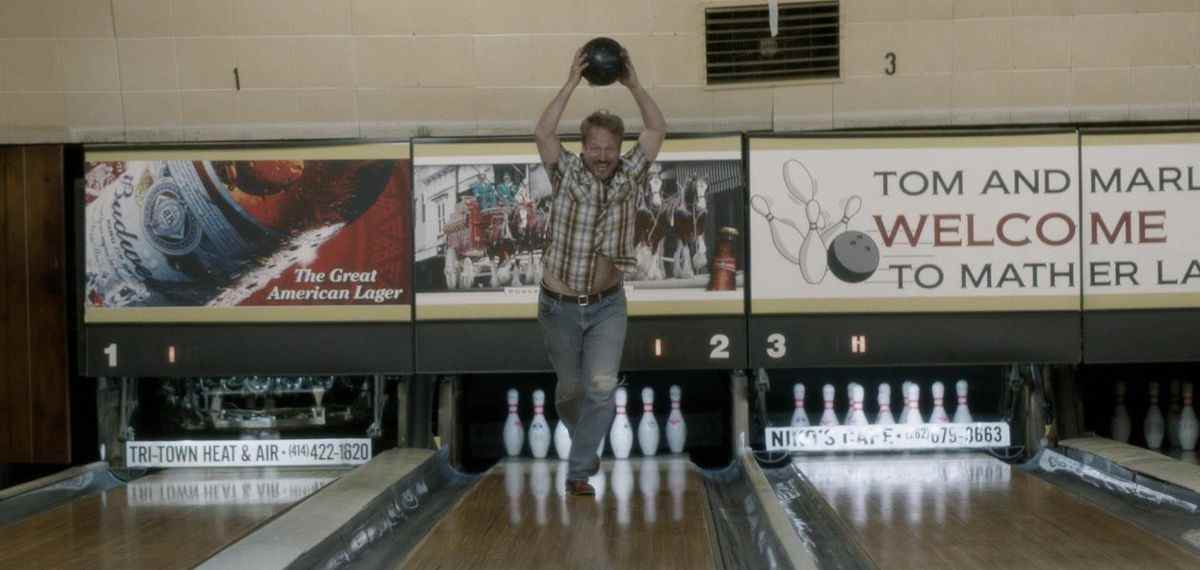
x=539, y=430
x=676, y=427
x=814, y=259
x=962, y=414
x=799, y=417
x=648, y=426
x=648, y=483
x=622, y=486
x=514, y=487
x=904, y=411
x=560, y=487
x=562, y=441
x=885, y=417
x=621, y=432
x=1189, y=427
x=1154, y=427
x=677, y=484
x=514, y=432
x=913, y=395
x=856, y=417
x=1173, y=416
x=852, y=207
x=539, y=481
x=1121, y=425
x=828, y=417
x=939, y=416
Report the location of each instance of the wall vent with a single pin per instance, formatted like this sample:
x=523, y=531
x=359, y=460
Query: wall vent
x=739, y=47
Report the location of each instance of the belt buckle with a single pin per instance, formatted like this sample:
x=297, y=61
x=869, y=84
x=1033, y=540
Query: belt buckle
x=582, y=300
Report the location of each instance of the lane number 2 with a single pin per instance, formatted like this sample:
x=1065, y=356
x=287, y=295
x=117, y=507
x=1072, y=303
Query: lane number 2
x=720, y=344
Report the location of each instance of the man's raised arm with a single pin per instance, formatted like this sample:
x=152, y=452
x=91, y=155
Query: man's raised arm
x=654, y=125
x=546, y=131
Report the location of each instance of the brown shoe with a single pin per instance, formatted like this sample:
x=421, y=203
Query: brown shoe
x=580, y=487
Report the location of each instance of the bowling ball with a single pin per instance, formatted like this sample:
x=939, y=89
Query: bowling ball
x=853, y=257
x=603, y=56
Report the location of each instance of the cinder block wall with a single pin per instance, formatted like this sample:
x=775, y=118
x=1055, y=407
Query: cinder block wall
x=162, y=70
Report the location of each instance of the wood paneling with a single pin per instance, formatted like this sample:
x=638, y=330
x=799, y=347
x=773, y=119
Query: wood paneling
x=35, y=411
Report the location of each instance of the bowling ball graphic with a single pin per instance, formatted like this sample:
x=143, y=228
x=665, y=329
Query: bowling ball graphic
x=603, y=56
x=853, y=257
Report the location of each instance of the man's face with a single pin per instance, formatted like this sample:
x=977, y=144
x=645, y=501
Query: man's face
x=601, y=152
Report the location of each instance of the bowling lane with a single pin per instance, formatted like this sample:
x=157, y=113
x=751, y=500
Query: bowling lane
x=171, y=519
x=647, y=513
x=973, y=511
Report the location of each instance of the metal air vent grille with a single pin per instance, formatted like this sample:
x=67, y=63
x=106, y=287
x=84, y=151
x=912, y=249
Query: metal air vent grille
x=739, y=47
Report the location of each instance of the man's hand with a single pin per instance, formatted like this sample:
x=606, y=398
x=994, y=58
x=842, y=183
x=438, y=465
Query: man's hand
x=577, y=66
x=629, y=78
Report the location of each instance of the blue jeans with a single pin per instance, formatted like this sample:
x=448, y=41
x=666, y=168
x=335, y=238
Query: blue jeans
x=585, y=345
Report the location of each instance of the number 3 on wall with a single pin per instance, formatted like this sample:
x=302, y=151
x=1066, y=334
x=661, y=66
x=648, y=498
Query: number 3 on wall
x=776, y=345
x=891, y=59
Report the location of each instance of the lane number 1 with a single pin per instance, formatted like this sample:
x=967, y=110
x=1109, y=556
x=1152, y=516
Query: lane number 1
x=111, y=351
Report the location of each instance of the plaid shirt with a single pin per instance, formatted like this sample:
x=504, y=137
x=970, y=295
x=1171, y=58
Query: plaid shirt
x=592, y=217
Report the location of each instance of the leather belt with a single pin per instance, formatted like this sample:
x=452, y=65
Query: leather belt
x=582, y=300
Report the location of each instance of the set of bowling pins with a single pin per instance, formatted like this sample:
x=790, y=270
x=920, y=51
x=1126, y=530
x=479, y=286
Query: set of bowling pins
x=812, y=256
x=625, y=478
x=1180, y=427
x=620, y=436
x=909, y=415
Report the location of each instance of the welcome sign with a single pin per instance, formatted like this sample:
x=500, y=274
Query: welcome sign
x=919, y=223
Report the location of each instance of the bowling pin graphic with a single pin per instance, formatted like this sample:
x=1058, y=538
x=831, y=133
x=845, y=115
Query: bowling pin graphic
x=676, y=427
x=913, y=395
x=621, y=432
x=852, y=207
x=800, y=184
x=648, y=426
x=885, y=417
x=539, y=430
x=1173, y=416
x=799, y=416
x=1154, y=427
x=562, y=441
x=514, y=432
x=962, y=414
x=939, y=415
x=1121, y=425
x=814, y=259
x=856, y=417
x=762, y=205
x=1189, y=427
x=828, y=417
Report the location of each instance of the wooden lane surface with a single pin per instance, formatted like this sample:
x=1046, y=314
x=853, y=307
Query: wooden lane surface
x=172, y=519
x=653, y=513
x=973, y=511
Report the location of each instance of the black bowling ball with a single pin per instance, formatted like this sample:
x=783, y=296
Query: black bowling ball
x=603, y=56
